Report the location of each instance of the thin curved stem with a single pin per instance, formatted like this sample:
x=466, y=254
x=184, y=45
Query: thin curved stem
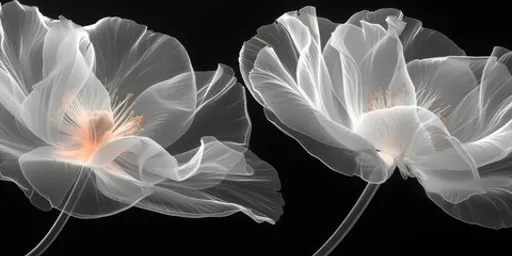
x=63, y=217
x=349, y=221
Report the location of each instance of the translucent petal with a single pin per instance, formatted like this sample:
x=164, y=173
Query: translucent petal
x=390, y=130
x=481, y=120
x=296, y=40
x=99, y=192
x=11, y=93
x=131, y=58
x=139, y=159
x=221, y=111
x=123, y=172
x=472, y=94
x=286, y=104
x=167, y=108
x=52, y=176
x=49, y=176
x=373, y=72
x=441, y=163
x=492, y=206
x=338, y=74
x=10, y=170
x=22, y=32
x=222, y=179
x=66, y=72
x=366, y=163
x=449, y=171
x=448, y=87
x=15, y=138
x=418, y=42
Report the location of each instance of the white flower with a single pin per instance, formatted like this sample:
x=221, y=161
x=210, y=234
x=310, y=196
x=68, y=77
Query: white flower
x=108, y=99
x=381, y=92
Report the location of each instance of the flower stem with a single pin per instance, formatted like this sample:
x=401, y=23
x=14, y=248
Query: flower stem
x=63, y=217
x=349, y=221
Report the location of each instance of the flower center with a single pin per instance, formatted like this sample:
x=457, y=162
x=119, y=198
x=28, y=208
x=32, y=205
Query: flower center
x=378, y=100
x=92, y=129
x=387, y=159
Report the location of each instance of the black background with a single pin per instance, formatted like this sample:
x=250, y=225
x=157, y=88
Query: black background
x=400, y=220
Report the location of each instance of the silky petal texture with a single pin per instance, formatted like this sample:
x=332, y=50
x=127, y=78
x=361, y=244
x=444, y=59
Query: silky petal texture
x=49, y=176
x=475, y=95
x=392, y=130
x=216, y=179
x=289, y=74
x=66, y=73
x=138, y=158
x=80, y=69
x=52, y=178
x=154, y=67
x=418, y=42
x=482, y=121
x=10, y=171
x=221, y=111
x=285, y=103
x=221, y=179
x=374, y=73
x=22, y=32
x=447, y=169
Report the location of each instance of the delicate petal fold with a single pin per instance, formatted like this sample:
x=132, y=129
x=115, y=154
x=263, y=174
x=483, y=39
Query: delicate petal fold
x=49, y=176
x=139, y=159
x=286, y=104
x=492, y=206
x=449, y=170
x=22, y=32
x=221, y=111
x=486, y=129
x=374, y=73
x=296, y=40
x=154, y=67
x=471, y=94
x=15, y=138
x=220, y=179
x=53, y=178
x=449, y=87
x=418, y=42
x=167, y=108
x=131, y=58
x=66, y=73
x=284, y=68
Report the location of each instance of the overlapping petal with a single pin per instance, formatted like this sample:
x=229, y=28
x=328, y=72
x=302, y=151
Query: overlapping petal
x=454, y=136
x=477, y=114
x=418, y=42
x=155, y=68
x=66, y=72
x=291, y=75
x=75, y=73
x=220, y=112
x=22, y=32
x=219, y=179
x=374, y=73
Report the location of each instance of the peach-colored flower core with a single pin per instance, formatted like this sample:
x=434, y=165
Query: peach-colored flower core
x=92, y=130
x=378, y=100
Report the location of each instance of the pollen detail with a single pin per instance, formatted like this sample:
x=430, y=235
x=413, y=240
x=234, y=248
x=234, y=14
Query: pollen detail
x=92, y=129
x=378, y=99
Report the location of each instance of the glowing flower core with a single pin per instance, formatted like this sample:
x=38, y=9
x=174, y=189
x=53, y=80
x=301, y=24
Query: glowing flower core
x=92, y=129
